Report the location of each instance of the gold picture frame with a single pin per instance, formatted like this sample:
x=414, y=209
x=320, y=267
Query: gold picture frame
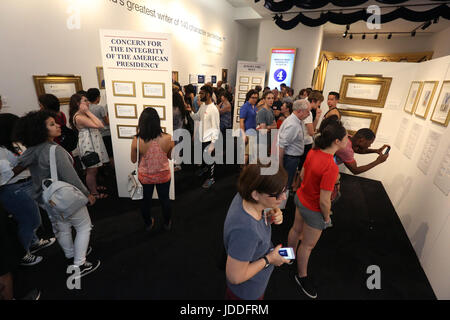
x=164, y=129
x=122, y=94
x=370, y=84
x=100, y=78
x=425, y=99
x=442, y=106
x=119, y=136
x=158, y=107
x=375, y=118
x=118, y=116
x=63, y=87
x=411, y=100
x=163, y=86
x=175, y=76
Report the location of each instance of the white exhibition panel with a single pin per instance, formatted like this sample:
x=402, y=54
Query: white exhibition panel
x=249, y=75
x=135, y=79
x=421, y=205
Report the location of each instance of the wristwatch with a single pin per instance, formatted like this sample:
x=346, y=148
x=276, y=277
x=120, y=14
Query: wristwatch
x=267, y=262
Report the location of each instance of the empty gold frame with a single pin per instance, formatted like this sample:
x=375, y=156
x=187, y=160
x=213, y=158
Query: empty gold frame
x=63, y=87
x=374, y=118
x=362, y=87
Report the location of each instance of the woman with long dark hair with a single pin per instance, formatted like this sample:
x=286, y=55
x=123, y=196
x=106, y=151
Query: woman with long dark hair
x=313, y=198
x=89, y=139
x=154, y=170
x=16, y=194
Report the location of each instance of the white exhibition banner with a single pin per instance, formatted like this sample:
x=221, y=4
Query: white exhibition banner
x=282, y=61
x=137, y=68
x=249, y=75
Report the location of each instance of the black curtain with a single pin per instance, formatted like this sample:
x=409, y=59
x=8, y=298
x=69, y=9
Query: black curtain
x=349, y=18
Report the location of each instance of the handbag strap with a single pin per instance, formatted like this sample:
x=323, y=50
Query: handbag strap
x=137, y=161
x=92, y=142
x=53, y=171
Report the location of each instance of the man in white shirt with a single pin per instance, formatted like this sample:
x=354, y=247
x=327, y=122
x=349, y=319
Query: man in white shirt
x=209, y=128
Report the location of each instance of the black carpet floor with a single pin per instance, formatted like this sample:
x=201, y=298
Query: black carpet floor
x=184, y=264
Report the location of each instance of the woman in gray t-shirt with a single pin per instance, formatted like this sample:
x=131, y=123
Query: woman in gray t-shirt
x=247, y=232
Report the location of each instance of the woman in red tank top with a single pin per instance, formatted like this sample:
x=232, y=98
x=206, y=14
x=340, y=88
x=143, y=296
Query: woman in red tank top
x=154, y=170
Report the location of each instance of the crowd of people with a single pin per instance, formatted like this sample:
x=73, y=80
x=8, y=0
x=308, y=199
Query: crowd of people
x=81, y=149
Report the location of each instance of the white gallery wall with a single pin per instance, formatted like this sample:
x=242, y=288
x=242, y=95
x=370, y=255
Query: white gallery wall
x=422, y=207
x=308, y=42
x=37, y=40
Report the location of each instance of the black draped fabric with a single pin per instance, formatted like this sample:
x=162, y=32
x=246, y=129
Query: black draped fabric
x=286, y=5
x=349, y=18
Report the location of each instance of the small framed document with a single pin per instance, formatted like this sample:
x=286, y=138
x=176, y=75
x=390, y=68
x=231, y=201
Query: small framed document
x=63, y=87
x=353, y=120
x=425, y=99
x=160, y=109
x=241, y=95
x=124, y=88
x=241, y=103
x=243, y=88
x=126, y=131
x=244, y=79
x=153, y=90
x=441, y=112
x=413, y=95
x=256, y=80
x=237, y=118
x=125, y=111
x=368, y=91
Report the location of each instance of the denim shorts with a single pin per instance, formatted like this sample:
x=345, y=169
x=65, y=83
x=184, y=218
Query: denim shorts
x=313, y=219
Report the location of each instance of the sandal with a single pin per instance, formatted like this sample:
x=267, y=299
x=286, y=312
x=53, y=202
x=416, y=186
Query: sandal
x=100, y=196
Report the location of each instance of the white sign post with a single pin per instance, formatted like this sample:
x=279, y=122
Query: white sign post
x=137, y=68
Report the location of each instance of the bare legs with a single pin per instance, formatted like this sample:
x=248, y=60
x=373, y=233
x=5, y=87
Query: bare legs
x=309, y=236
x=91, y=179
x=6, y=287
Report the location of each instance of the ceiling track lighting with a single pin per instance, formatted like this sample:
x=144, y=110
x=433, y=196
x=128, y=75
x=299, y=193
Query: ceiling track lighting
x=347, y=27
x=426, y=25
x=389, y=36
x=413, y=34
x=375, y=36
x=351, y=36
x=436, y=20
x=364, y=36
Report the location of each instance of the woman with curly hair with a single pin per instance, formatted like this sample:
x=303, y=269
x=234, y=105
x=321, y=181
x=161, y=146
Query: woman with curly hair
x=37, y=131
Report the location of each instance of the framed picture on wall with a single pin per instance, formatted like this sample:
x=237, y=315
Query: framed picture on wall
x=353, y=120
x=126, y=131
x=224, y=75
x=124, y=88
x=413, y=95
x=125, y=111
x=100, y=78
x=160, y=109
x=153, y=90
x=425, y=99
x=244, y=79
x=237, y=119
x=364, y=90
x=164, y=129
x=241, y=95
x=63, y=87
x=241, y=103
x=441, y=112
x=243, y=88
x=256, y=80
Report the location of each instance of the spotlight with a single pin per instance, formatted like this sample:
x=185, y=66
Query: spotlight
x=375, y=36
x=389, y=36
x=351, y=36
x=364, y=36
x=426, y=25
x=347, y=27
x=436, y=20
x=344, y=35
x=413, y=34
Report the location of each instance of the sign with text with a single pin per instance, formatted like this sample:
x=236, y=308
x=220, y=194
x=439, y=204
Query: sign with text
x=282, y=62
x=137, y=69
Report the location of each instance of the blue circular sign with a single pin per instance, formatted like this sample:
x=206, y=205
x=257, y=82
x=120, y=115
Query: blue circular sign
x=280, y=75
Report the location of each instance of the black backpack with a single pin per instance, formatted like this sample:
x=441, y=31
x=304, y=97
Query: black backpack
x=68, y=139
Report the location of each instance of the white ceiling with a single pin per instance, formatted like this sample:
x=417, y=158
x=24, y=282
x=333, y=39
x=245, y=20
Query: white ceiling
x=398, y=25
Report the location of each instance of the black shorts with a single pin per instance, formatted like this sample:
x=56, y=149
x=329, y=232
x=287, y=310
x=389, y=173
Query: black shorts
x=108, y=144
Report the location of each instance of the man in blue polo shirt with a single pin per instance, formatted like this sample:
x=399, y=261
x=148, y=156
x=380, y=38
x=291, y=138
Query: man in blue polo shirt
x=247, y=119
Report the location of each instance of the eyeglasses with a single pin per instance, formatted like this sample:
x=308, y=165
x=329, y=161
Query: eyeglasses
x=278, y=195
